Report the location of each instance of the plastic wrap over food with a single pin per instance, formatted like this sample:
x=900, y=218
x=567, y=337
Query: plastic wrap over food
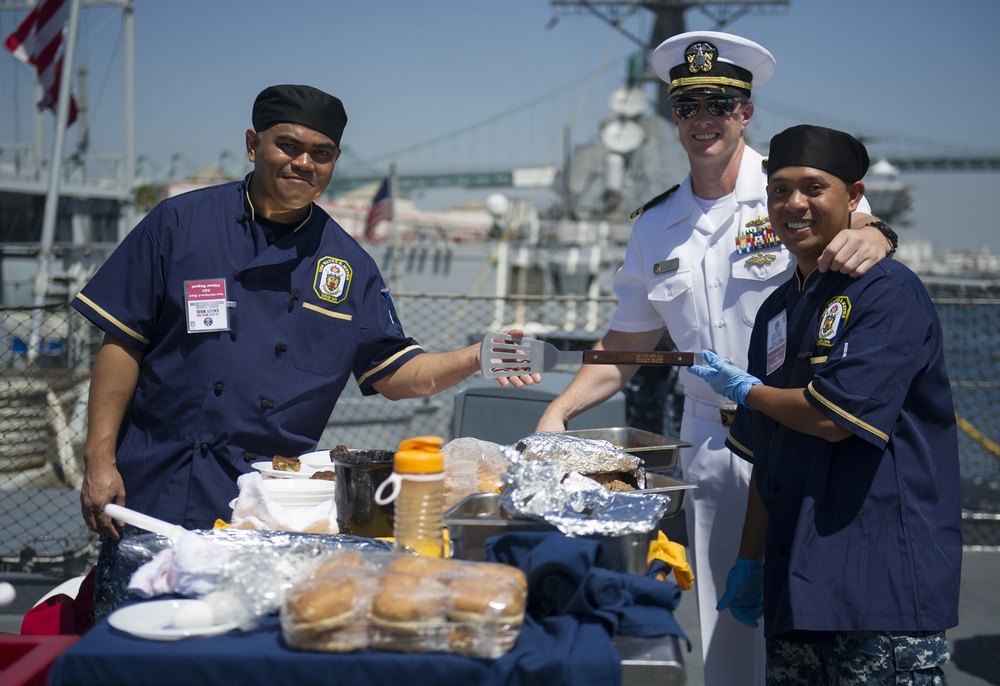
x=576, y=505
x=389, y=601
x=583, y=455
x=242, y=574
x=472, y=466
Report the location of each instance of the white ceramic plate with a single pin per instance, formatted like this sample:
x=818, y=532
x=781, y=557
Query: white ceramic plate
x=267, y=469
x=152, y=620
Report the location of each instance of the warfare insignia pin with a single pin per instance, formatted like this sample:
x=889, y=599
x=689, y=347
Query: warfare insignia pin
x=762, y=259
x=832, y=320
x=700, y=57
x=758, y=236
x=333, y=279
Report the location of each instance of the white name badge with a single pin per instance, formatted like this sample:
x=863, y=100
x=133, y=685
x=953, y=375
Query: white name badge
x=777, y=335
x=205, y=303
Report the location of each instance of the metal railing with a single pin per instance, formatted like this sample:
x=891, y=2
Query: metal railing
x=46, y=354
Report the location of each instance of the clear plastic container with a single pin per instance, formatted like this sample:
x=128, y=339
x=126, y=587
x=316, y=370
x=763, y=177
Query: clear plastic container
x=418, y=525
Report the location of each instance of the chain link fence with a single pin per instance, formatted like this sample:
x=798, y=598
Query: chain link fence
x=46, y=355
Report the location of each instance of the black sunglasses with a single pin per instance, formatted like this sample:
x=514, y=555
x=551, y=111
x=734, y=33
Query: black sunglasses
x=717, y=105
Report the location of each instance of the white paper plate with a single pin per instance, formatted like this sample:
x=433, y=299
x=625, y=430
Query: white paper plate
x=298, y=493
x=267, y=469
x=298, y=488
x=152, y=620
x=319, y=460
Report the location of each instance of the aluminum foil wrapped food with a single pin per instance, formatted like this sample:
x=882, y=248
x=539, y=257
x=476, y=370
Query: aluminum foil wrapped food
x=582, y=455
x=242, y=574
x=540, y=485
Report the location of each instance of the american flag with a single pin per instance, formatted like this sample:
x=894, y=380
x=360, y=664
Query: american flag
x=38, y=41
x=380, y=210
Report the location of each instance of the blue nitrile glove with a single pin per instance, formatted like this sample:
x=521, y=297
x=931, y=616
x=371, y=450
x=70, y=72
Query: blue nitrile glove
x=744, y=594
x=724, y=378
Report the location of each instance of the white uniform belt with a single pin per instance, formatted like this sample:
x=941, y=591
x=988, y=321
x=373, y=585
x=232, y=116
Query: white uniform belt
x=706, y=410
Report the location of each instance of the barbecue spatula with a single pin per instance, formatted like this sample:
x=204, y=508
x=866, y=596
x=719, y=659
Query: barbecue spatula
x=503, y=355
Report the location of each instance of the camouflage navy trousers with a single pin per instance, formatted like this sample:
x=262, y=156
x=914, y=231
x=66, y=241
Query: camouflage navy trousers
x=860, y=657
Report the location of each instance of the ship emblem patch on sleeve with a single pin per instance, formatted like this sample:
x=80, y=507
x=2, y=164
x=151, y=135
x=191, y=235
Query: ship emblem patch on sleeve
x=333, y=279
x=832, y=320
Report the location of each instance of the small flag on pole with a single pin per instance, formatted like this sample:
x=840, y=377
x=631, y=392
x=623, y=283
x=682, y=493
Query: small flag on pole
x=39, y=41
x=380, y=210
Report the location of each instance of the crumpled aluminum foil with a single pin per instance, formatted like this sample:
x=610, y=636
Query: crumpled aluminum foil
x=544, y=490
x=261, y=566
x=583, y=455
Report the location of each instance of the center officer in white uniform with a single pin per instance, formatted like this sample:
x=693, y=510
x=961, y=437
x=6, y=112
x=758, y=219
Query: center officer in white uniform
x=700, y=261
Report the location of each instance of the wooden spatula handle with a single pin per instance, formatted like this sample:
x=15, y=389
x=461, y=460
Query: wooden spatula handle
x=650, y=358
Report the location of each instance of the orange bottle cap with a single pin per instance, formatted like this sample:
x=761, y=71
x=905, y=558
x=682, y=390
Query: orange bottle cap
x=420, y=455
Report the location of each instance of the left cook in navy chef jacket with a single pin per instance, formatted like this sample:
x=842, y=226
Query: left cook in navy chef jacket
x=233, y=316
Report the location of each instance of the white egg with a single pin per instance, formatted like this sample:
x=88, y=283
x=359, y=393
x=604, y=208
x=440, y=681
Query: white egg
x=7, y=594
x=194, y=614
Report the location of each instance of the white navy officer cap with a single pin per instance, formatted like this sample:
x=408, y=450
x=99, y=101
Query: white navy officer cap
x=711, y=61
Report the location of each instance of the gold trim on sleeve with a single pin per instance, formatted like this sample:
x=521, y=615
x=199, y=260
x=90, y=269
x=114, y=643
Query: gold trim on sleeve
x=745, y=450
x=849, y=417
x=104, y=313
x=392, y=359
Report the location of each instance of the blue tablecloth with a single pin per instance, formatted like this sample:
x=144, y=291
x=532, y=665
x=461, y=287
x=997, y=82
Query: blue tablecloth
x=574, y=609
x=552, y=651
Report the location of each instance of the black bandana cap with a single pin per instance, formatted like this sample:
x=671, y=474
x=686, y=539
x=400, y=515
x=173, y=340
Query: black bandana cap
x=303, y=105
x=829, y=150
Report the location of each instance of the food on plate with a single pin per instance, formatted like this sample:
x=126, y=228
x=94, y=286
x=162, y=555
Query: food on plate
x=280, y=463
x=324, y=475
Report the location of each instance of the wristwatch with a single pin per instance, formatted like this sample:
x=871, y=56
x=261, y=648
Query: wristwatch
x=890, y=235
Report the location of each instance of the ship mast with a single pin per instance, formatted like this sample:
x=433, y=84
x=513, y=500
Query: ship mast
x=58, y=185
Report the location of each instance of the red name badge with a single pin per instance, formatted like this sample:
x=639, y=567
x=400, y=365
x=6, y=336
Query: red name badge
x=205, y=304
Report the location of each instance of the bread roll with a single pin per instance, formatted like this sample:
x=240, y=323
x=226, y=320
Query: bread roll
x=390, y=601
x=408, y=613
x=326, y=613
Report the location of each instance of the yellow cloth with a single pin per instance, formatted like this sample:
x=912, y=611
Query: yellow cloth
x=674, y=556
x=219, y=524
x=444, y=535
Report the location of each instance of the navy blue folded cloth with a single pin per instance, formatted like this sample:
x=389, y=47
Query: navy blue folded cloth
x=563, y=579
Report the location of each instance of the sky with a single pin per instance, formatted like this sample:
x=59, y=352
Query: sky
x=913, y=77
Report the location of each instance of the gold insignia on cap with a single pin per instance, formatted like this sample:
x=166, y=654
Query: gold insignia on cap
x=700, y=57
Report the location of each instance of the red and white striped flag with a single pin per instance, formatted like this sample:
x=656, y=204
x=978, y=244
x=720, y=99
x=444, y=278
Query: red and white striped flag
x=38, y=41
x=380, y=210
